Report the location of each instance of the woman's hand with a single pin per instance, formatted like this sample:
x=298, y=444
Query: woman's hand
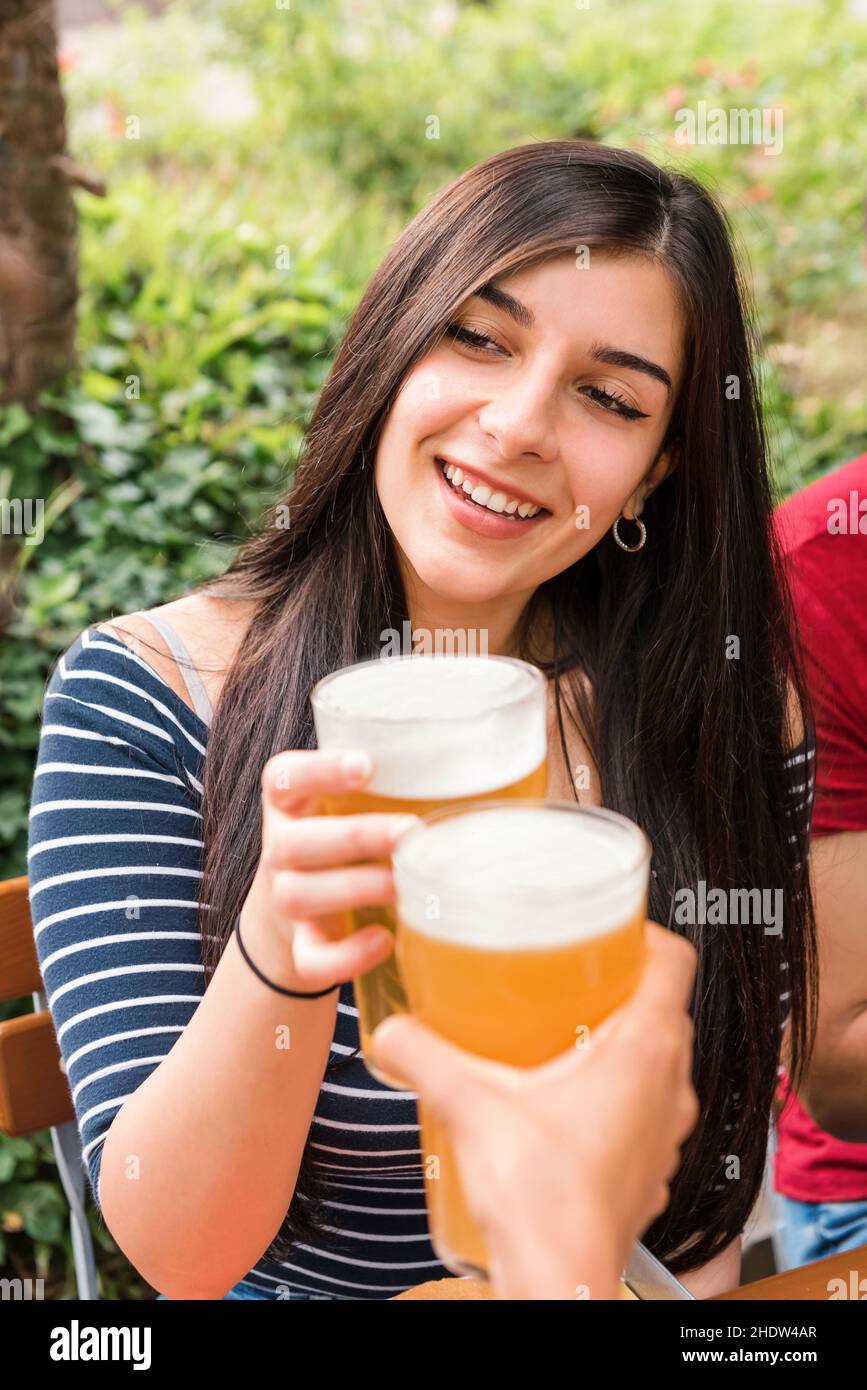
x=564, y=1165
x=309, y=876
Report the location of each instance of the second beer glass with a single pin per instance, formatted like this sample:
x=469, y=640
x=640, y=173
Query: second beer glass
x=520, y=928
x=443, y=731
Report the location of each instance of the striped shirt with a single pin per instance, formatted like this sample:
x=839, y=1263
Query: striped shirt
x=114, y=867
x=801, y=769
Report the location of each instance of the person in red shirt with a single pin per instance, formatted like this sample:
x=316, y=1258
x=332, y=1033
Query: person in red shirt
x=820, y=1174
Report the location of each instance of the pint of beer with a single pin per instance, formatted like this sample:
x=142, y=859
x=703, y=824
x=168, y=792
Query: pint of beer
x=520, y=927
x=443, y=731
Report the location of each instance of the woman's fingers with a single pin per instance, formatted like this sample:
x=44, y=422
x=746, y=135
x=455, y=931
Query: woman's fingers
x=320, y=955
x=663, y=992
x=318, y=842
x=289, y=779
x=305, y=893
x=425, y=1062
x=668, y=978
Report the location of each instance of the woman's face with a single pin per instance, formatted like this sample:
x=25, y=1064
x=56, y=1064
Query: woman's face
x=555, y=397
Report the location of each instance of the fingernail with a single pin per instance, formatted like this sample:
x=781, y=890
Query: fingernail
x=356, y=766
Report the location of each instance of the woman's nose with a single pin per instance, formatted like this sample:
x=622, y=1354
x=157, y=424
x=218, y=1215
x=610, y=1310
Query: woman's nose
x=522, y=418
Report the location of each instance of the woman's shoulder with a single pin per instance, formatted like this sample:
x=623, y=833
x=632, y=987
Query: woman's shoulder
x=800, y=741
x=210, y=629
x=104, y=700
x=797, y=734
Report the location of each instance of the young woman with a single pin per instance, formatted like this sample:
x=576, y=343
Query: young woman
x=555, y=347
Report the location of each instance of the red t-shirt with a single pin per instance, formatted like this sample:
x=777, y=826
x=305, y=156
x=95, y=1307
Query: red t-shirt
x=823, y=532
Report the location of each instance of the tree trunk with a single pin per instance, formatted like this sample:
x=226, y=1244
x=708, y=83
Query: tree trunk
x=38, y=225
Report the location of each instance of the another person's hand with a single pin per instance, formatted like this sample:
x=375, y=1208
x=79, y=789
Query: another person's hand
x=564, y=1165
x=312, y=873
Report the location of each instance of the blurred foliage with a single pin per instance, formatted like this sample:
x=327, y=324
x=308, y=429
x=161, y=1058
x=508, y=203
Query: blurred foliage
x=260, y=160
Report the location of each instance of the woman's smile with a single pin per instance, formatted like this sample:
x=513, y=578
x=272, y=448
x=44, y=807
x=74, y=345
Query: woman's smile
x=503, y=522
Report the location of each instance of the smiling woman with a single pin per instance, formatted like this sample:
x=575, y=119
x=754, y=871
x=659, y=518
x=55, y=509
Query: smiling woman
x=554, y=387
x=540, y=361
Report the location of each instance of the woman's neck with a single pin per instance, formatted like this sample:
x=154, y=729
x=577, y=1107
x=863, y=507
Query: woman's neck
x=492, y=630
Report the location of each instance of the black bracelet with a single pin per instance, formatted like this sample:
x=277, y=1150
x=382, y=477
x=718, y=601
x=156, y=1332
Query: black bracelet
x=293, y=993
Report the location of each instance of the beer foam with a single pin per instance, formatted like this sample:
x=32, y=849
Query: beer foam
x=437, y=727
x=516, y=877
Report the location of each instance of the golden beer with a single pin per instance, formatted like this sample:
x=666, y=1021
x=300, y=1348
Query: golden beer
x=520, y=927
x=443, y=731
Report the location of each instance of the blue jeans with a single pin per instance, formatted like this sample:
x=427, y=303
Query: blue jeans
x=241, y=1290
x=811, y=1230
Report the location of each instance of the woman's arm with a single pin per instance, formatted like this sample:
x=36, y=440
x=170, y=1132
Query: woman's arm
x=218, y=1130
x=835, y=1088
x=200, y=1163
x=193, y=1105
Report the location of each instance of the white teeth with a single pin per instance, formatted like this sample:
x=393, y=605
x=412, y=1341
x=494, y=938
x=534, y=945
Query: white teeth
x=483, y=496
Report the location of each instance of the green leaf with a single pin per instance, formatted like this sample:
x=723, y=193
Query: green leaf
x=14, y=421
x=44, y=1211
x=56, y=589
x=101, y=387
x=54, y=441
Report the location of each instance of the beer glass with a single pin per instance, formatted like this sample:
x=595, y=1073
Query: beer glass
x=520, y=928
x=442, y=730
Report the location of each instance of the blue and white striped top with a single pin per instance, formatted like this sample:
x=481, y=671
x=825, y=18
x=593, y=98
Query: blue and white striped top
x=114, y=867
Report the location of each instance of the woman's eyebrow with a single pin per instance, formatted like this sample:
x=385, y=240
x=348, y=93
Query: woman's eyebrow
x=600, y=352
x=617, y=357
x=511, y=306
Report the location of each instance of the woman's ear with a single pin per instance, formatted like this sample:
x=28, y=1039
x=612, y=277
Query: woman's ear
x=665, y=464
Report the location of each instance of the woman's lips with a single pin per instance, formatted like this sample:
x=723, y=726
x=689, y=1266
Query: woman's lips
x=477, y=518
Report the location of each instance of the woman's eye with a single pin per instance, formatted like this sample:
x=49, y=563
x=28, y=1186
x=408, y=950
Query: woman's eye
x=613, y=404
x=470, y=338
x=607, y=401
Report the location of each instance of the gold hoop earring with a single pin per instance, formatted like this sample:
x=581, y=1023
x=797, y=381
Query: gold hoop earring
x=616, y=534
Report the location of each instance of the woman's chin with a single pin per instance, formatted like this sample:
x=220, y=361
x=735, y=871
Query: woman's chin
x=455, y=578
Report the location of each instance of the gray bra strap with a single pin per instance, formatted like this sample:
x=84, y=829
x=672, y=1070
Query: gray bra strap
x=192, y=679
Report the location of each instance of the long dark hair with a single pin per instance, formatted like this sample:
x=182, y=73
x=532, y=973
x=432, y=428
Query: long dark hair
x=689, y=742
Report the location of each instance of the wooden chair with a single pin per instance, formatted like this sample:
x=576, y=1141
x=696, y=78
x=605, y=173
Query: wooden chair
x=34, y=1092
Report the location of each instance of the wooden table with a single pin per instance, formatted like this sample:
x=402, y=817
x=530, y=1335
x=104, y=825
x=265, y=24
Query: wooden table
x=809, y=1283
